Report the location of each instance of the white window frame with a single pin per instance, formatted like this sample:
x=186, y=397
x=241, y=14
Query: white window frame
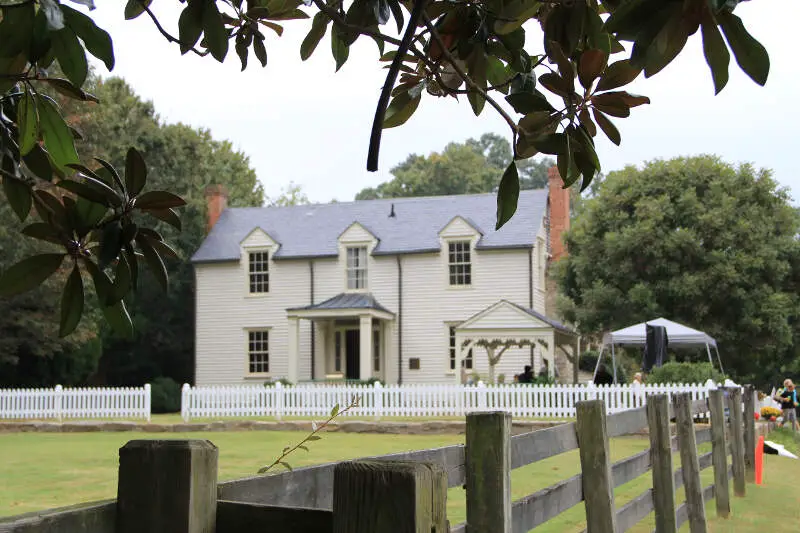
x=249, y=252
x=466, y=275
x=357, y=269
x=263, y=351
x=452, y=350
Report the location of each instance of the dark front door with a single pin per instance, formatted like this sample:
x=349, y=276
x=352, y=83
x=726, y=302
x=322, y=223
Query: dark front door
x=353, y=353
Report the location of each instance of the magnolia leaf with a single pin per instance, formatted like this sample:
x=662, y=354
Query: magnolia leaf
x=134, y=8
x=122, y=282
x=400, y=109
x=29, y=273
x=334, y=411
x=58, y=139
x=259, y=49
x=170, y=216
x=97, y=40
x=750, y=54
x=67, y=89
x=507, y=195
x=116, y=315
x=27, y=122
x=154, y=262
x=286, y=465
x=71, y=303
x=607, y=126
x=135, y=172
x=476, y=67
x=112, y=172
x=190, y=25
x=158, y=200
x=617, y=74
x=717, y=56
x=318, y=28
x=313, y=437
x=110, y=243
x=18, y=195
x=216, y=38
x=38, y=164
x=338, y=47
x=43, y=232
x=70, y=54
x=55, y=18
x=591, y=64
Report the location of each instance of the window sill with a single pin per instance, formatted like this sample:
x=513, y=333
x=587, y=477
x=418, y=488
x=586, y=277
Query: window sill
x=256, y=294
x=253, y=377
x=460, y=287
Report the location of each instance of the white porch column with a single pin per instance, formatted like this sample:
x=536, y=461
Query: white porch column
x=294, y=349
x=321, y=354
x=459, y=358
x=551, y=354
x=388, y=370
x=365, y=365
x=330, y=348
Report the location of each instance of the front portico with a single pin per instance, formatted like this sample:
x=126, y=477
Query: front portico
x=354, y=331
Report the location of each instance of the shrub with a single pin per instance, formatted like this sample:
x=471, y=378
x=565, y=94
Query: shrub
x=769, y=412
x=165, y=395
x=501, y=379
x=283, y=381
x=588, y=360
x=673, y=372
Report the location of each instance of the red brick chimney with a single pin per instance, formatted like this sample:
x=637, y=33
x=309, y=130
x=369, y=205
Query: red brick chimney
x=559, y=213
x=217, y=201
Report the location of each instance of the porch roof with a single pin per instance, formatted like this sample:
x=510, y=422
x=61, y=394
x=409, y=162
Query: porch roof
x=343, y=304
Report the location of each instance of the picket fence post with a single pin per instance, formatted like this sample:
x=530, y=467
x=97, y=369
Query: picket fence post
x=148, y=401
x=482, y=392
x=59, y=402
x=186, y=392
x=378, y=400
x=279, y=400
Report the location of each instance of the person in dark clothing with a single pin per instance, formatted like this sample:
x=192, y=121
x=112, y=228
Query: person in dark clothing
x=527, y=375
x=603, y=377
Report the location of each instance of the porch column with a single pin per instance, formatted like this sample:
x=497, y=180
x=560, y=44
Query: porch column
x=294, y=350
x=322, y=353
x=365, y=366
x=388, y=367
x=551, y=354
x=459, y=358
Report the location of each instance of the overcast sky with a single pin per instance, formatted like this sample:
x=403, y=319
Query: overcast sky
x=301, y=122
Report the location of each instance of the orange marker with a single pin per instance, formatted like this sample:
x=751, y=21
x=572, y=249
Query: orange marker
x=760, y=460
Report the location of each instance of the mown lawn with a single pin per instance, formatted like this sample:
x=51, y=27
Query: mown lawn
x=41, y=471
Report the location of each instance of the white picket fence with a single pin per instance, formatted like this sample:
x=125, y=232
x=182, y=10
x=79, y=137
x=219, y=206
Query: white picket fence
x=423, y=400
x=60, y=403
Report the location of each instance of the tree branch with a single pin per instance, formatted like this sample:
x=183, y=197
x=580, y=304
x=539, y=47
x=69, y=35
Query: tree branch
x=163, y=32
x=463, y=75
x=383, y=102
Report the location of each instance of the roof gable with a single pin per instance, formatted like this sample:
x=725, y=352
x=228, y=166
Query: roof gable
x=460, y=227
x=306, y=231
x=356, y=232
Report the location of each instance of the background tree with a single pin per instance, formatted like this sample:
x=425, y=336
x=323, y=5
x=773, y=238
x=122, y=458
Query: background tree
x=445, y=49
x=695, y=240
x=291, y=194
x=461, y=168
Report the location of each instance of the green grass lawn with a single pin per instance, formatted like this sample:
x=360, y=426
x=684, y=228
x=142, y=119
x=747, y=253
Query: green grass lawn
x=44, y=470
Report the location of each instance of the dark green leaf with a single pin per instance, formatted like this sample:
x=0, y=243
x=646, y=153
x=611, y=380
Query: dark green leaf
x=216, y=36
x=55, y=18
x=71, y=55
x=135, y=172
x=58, y=138
x=167, y=215
x=242, y=48
x=89, y=213
x=617, y=74
x=97, y=41
x=159, y=200
x=566, y=163
x=607, y=126
x=190, y=25
x=513, y=41
x=552, y=143
x=401, y=108
x=154, y=261
x=133, y=263
x=750, y=54
x=338, y=47
x=525, y=103
x=334, y=411
x=112, y=172
x=101, y=193
x=29, y=273
x=83, y=191
x=42, y=231
x=16, y=29
x=260, y=50
x=318, y=28
x=497, y=74
x=476, y=68
x=38, y=163
x=119, y=319
x=507, y=195
x=67, y=89
x=286, y=465
x=110, y=243
x=313, y=438
x=556, y=84
x=18, y=195
x=163, y=249
x=586, y=121
x=717, y=55
x=122, y=282
x=134, y=8
x=53, y=206
x=534, y=123
x=71, y=303
x=41, y=43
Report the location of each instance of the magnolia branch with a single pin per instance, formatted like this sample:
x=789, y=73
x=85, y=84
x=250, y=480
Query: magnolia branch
x=470, y=83
x=163, y=32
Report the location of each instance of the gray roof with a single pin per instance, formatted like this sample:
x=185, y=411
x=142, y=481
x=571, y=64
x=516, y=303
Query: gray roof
x=307, y=231
x=346, y=300
x=554, y=323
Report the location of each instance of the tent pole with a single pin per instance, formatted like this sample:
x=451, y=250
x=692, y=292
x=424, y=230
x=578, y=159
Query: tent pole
x=614, y=362
x=597, y=365
x=716, y=349
x=708, y=351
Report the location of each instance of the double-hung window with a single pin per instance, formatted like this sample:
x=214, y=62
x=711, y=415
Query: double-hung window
x=258, y=272
x=459, y=263
x=258, y=351
x=356, y=267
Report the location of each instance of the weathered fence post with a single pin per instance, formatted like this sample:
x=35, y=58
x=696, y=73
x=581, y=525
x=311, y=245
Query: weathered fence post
x=719, y=454
x=401, y=496
x=661, y=458
x=737, y=440
x=598, y=490
x=167, y=486
x=488, y=466
x=690, y=465
x=750, y=433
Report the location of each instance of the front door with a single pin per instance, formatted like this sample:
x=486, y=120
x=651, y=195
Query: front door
x=352, y=348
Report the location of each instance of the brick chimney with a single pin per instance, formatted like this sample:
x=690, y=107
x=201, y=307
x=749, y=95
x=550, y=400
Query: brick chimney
x=217, y=202
x=559, y=213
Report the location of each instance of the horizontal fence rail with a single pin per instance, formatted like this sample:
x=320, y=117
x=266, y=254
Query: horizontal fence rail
x=60, y=403
x=417, y=400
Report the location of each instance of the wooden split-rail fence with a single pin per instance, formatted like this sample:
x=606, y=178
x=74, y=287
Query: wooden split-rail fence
x=171, y=486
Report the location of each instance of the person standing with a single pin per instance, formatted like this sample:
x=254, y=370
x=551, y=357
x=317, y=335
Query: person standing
x=787, y=397
x=527, y=375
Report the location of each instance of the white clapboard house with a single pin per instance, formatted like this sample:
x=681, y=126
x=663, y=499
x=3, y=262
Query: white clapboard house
x=405, y=290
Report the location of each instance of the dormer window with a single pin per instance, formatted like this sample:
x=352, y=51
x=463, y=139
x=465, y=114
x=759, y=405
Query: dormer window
x=258, y=272
x=460, y=262
x=356, y=267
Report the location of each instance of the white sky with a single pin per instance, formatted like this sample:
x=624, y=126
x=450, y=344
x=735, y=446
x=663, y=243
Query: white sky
x=298, y=121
